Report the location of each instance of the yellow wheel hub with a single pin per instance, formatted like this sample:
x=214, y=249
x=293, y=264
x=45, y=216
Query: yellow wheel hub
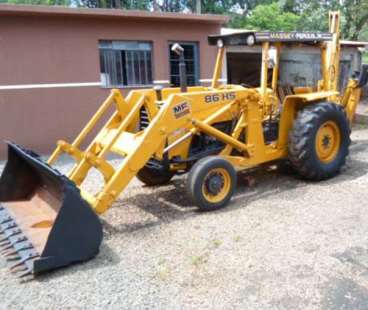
x=216, y=185
x=328, y=140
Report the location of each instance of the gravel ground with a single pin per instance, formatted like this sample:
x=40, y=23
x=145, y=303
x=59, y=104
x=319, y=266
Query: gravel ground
x=281, y=244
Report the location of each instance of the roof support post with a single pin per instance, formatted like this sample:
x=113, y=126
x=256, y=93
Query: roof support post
x=264, y=70
x=276, y=69
x=218, y=67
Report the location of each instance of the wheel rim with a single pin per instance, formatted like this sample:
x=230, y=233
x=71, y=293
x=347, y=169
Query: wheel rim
x=216, y=185
x=328, y=141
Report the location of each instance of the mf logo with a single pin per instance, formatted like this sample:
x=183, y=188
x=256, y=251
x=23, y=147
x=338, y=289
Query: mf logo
x=181, y=109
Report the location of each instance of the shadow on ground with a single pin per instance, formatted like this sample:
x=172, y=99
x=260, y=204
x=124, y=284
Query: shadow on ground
x=344, y=294
x=105, y=259
x=170, y=203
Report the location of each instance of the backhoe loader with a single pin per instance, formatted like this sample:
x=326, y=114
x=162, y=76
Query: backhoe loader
x=46, y=219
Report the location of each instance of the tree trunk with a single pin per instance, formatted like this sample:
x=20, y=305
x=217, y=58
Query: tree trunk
x=117, y=4
x=198, y=7
x=156, y=6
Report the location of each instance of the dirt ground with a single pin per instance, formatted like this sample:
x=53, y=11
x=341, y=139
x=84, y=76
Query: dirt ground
x=281, y=244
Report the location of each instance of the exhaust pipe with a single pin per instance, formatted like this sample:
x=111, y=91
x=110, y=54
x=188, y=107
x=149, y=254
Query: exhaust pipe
x=179, y=50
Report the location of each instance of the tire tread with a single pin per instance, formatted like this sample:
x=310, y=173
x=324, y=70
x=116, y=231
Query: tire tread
x=302, y=141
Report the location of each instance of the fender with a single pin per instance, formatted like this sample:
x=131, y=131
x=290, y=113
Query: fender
x=289, y=110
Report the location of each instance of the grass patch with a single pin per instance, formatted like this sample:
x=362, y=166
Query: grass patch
x=163, y=273
x=161, y=261
x=237, y=238
x=198, y=260
x=216, y=243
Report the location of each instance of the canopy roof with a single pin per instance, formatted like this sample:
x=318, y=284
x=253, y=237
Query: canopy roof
x=254, y=37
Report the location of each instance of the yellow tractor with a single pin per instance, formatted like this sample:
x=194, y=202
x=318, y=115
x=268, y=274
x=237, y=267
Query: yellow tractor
x=48, y=221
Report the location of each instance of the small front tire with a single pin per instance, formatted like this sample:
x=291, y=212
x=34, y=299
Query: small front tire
x=211, y=183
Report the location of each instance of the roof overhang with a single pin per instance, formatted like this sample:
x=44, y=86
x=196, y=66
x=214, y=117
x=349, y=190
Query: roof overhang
x=40, y=10
x=348, y=43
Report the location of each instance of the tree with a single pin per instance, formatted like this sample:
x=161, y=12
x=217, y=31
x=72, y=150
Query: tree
x=40, y=2
x=257, y=14
x=314, y=16
x=237, y=7
x=355, y=14
x=117, y=4
x=270, y=17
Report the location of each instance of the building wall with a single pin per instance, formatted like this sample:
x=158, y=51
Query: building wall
x=52, y=50
x=299, y=66
x=302, y=66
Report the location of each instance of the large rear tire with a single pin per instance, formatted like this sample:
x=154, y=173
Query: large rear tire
x=153, y=177
x=211, y=183
x=319, y=141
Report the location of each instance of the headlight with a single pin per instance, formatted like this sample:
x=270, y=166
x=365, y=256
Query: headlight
x=220, y=43
x=251, y=39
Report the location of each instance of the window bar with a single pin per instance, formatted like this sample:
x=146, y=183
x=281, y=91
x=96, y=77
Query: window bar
x=116, y=54
x=106, y=71
x=111, y=62
x=139, y=67
x=149, y=65
x=196, y=64
x=145, y=66
x=127, y=68
x=132, y=66
x=135, y=67
x=121, y=68
x=111, y=77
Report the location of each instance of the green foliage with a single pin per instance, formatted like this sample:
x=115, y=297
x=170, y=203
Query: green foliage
x=271, y=17
x=214, y=7
x=365, y=58
x=125, y=4
x=355, y=17
x=364, y=34
x=40, y=2
x=242, y=7
x=216, y=243
x=255, y=14
x=313, y=18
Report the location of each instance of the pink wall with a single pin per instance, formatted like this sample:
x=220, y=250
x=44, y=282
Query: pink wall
x=44, y=50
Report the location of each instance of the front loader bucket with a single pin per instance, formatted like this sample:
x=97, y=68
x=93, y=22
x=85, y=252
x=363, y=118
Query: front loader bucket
x=44, y=221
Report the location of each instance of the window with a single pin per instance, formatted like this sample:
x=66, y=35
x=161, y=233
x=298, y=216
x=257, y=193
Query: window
x=125, y=63
x=191, y=62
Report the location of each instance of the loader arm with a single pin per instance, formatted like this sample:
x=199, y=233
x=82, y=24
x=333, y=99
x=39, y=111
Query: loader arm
x=187, y=113
x=140, y=148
